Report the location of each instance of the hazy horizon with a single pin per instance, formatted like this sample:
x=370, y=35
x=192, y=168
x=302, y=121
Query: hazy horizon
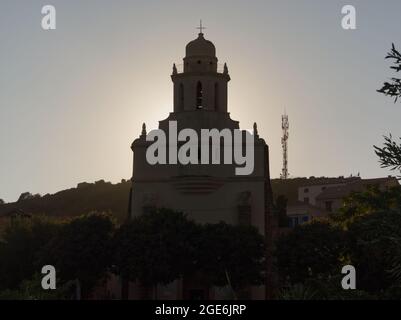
x=72, y=100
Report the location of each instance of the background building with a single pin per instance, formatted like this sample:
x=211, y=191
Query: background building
x=318, y=197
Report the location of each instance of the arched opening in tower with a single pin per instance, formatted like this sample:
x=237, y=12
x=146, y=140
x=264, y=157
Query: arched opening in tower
x=199, y=95
x=181, y=97
x=216, y=96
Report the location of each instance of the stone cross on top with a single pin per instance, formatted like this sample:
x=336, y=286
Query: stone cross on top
x=201, y=27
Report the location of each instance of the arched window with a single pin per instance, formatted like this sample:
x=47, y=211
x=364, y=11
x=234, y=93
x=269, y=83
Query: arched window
x=181, y=97
x=199, y=95
x=216, y=96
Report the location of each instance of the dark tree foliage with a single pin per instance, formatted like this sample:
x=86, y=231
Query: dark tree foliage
x=372, y=222
x=22, y=240
x=367, y=202
x=81, y=250
x=156, y=247
x=373, y=242
x=86, y=197
x=390, y=154
x=232, y=255
x=163, y=245
x=309, y=251
x=32, y=290
x=324, y=288
x=393, y=88
x=366, y=234
x=2, y=201
x=27, y=196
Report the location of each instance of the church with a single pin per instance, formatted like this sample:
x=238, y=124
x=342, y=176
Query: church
x=207, y=193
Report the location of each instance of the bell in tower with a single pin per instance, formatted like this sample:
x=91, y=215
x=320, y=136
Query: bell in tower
x=200, y=85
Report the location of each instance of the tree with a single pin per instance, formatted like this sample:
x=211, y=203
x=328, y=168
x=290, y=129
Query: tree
x=2, y=201
x=367, y=202
x=163, y=245
x=390, y=154
x=327, y=288
x=156, y=247
x=393, y=89
x=371, y=219
x=373, y=243
x=27, y=196
x=232, y=255
x=308, y=251
x=22, y=239
x=81, y=250
x=32, y=290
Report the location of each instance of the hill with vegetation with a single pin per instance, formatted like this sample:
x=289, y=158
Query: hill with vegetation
x=100, y=196
x=104, y=196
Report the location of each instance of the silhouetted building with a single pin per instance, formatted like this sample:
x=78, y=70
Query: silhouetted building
x=208, y=193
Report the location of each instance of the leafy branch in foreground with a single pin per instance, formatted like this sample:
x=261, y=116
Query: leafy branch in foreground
x=393, y=88
x=390, y=154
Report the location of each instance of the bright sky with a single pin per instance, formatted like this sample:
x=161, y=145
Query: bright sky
x=73, y=99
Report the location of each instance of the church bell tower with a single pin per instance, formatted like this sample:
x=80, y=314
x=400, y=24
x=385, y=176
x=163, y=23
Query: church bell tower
x=200, y=83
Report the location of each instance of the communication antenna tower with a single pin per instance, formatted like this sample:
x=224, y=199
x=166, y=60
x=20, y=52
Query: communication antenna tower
x=285, y=125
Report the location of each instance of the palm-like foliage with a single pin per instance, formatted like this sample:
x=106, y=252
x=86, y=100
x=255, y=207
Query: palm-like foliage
x=322, y=288
x=298, y=292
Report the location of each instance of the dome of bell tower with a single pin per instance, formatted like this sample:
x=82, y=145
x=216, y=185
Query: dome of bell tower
x=200, y=47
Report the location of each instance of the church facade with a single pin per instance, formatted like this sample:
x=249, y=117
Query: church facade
x=207, y=193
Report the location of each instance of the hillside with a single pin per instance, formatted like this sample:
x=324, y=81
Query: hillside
x=104, y=196
x=86, y=197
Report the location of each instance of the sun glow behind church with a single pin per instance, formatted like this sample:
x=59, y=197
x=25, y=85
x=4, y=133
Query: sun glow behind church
x=90, y=84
